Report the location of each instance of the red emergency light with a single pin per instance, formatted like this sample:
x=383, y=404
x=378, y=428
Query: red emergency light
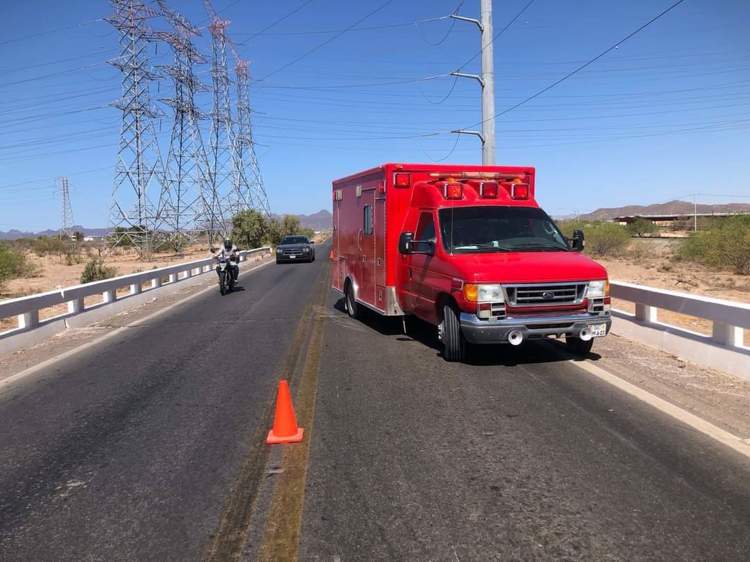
x=488, y=190
x=519, y=191
x=453, y=191
x=401, y=180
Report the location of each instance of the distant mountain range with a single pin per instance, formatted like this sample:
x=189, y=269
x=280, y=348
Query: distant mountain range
x=670, y=208
x=317, y=221
x=14, y=234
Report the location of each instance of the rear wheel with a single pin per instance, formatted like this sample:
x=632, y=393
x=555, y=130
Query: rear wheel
x=454, y=344
x=577, y=346
x=352, y=308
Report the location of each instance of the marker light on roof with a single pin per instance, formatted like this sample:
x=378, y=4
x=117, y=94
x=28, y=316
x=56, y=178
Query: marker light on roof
x=453, y=191
x=402, y=180
x=488, y=189
x=519, y=191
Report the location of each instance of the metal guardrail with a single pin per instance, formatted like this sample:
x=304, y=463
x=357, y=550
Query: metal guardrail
x=26, y=309
x=730, y=319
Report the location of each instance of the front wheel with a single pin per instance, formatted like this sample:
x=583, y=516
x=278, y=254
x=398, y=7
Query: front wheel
x=454, y=344
x=577, y=346
x=222, y=284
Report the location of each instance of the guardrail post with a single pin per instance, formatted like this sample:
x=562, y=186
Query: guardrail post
x=28, y=320
x=109, y=296
x=156, y=282
x=172, y=277
x=135, y=288
x=75, y=306
x=726, y=334
x=645, y=313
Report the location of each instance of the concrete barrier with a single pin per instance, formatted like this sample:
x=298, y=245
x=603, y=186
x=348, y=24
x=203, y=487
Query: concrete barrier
x=724, y=349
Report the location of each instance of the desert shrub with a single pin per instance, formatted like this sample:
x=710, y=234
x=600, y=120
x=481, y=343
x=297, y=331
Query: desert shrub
x=640, y=227
x=602, y=238
x=606, y=239
x=11, y=262
x=725, y=245
x=95, y=270
x=47, y=245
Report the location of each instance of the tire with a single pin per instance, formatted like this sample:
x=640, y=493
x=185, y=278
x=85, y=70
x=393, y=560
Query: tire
x=222, y=285
x=577, y=346
x=352, y=308
x=454, y=344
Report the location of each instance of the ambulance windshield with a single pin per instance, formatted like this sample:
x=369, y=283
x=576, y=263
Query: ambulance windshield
x=499, y=229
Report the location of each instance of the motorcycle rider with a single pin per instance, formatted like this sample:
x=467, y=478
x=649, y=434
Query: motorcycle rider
x=230, y=252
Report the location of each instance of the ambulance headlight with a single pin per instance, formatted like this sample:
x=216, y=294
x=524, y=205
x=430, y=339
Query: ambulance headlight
x=598, y=289
x=483, y=293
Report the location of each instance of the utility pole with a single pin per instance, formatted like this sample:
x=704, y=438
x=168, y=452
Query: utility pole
x=486, y=79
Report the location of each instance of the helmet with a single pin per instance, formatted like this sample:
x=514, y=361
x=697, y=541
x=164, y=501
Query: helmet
x=227, y=244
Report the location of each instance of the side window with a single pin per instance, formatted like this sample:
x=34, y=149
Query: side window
x=426, y=227
x=367, y=220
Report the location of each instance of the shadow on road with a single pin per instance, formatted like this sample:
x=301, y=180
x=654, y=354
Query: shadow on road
x=420, y=332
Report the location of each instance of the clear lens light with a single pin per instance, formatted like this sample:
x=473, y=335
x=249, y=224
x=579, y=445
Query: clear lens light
x=598, y=289
x=483, y=293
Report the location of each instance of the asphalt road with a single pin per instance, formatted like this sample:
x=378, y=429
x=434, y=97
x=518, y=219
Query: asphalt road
x=130, y=451
x=151, y=447
x=519, y=456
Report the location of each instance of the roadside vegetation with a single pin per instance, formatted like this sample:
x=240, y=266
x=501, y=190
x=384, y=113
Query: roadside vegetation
x=722, y=244
x=252, y=229
x=13, y=263
x=96, y=270
x=725, y=245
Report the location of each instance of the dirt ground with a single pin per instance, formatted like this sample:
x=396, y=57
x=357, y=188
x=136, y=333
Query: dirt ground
x=650, y=261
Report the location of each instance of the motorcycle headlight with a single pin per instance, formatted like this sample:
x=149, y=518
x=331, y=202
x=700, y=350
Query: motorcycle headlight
x=598, y=289
x=483, y=293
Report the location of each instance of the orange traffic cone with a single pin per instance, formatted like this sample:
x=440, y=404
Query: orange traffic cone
x=285, y=428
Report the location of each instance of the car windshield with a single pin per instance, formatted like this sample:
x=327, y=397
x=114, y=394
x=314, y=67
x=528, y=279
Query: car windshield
x=295, y=240
x=499, y=229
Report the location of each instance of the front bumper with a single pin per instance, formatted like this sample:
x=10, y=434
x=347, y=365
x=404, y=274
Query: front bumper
x=479, y=331
x=297, y=257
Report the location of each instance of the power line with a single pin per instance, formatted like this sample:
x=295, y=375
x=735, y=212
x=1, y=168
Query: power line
x=276, y=22
x=586, y=64
x=327, y=41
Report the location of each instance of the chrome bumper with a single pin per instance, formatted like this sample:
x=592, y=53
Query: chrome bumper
x=476, y=330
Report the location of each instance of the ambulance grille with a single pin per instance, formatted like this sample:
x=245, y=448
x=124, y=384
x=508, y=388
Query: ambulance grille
x=545, y=294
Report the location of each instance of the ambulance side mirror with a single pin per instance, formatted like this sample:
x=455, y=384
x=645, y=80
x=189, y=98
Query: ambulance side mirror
x=403, y=242
x=577, y=241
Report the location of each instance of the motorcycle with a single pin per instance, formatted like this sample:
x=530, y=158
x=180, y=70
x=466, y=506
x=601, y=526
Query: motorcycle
x=226, y=277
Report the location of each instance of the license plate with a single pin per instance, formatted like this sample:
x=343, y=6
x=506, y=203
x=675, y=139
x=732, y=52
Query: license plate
x=292, y=257
x=598, y=330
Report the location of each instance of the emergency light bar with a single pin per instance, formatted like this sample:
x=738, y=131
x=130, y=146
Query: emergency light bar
x=478, y=175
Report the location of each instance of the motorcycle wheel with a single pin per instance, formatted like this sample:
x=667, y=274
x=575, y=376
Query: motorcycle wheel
x=222, y=284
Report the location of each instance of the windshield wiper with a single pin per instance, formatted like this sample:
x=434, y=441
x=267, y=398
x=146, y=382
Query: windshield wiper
x=541, y=248
x=481, y=248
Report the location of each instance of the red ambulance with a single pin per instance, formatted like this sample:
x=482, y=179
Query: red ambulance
x=467, y=249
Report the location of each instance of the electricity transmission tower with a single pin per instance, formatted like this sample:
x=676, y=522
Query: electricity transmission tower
x=136, y=215
x=66, y=231
x=247, y=174
x=187, y=170
x=224, y=199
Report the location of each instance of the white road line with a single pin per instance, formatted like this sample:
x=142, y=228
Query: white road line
x=699, y=424
x=39, y=366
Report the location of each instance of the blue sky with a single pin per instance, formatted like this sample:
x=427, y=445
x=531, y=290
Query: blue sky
x=665, y=115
